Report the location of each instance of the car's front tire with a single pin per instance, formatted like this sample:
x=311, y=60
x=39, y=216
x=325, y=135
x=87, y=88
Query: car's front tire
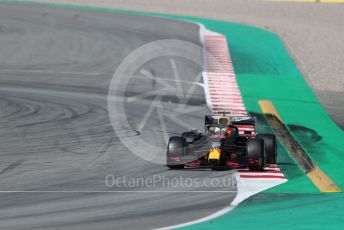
x=270, y=147
x=176, y=149
x=255, y=154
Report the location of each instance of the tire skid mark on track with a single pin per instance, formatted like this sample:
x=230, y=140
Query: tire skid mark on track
x=55, y=118
x=11, y=166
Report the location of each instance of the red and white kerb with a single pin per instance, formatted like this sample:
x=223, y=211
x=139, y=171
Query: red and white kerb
x=224, y=94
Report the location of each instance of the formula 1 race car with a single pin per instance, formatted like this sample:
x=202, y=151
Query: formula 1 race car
x=228, y=142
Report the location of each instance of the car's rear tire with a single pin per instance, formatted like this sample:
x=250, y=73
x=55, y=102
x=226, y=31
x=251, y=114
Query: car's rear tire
x=176, y=148
x=270, y=147
x=255, y=154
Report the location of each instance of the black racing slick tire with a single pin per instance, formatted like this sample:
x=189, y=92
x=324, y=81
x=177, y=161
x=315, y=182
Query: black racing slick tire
x=255, y=154
x=176, y=149
x=270, y=147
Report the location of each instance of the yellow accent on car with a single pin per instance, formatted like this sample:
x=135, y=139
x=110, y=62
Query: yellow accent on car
x=214, y=154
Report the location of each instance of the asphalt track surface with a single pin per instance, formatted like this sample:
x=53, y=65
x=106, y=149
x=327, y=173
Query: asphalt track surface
x=56, y=138
x=312, y=32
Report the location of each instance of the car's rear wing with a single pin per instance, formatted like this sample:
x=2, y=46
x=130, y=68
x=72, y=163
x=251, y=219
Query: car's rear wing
x=213, y=119
x=246, y=124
